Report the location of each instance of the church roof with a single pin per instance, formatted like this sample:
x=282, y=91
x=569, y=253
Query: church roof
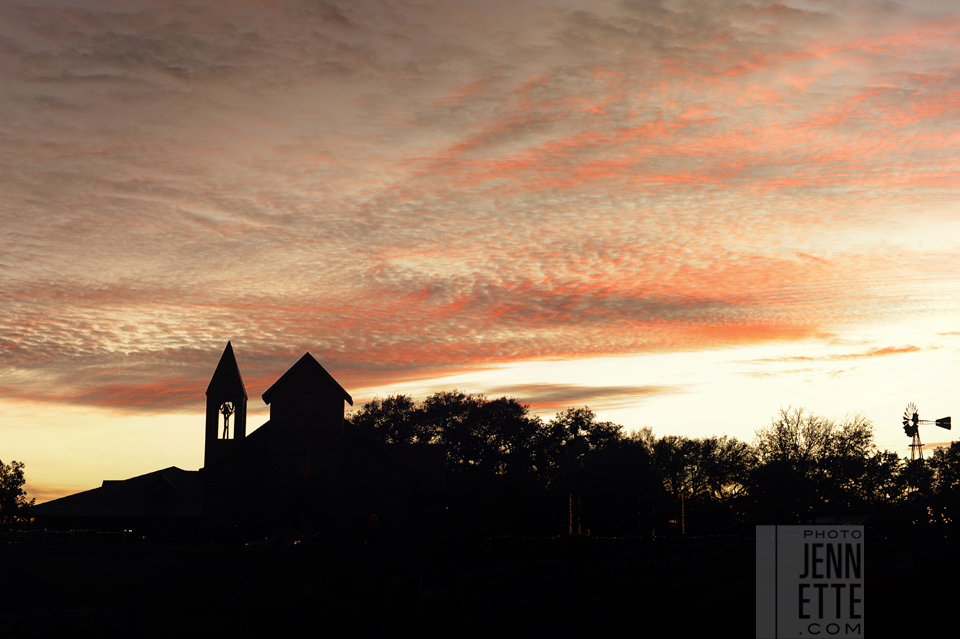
x=306, y=369
x=170, y=492
x=226, y=379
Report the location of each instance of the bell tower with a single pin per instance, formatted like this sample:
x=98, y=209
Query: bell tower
x=226, y=409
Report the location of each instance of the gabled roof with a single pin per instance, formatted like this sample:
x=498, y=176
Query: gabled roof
x=170, y=492
x=308, y=370
x=226, y=379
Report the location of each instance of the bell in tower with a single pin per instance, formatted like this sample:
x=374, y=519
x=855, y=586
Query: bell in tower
x=227, y=409
x=226, y=399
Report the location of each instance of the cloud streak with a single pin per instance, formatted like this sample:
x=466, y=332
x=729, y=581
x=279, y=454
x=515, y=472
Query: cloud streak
x=873, y=352
x=542, y=397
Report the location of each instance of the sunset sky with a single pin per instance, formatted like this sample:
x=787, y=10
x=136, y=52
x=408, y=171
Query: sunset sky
x=684, y=215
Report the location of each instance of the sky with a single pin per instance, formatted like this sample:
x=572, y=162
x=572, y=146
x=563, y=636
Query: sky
x=684, y=215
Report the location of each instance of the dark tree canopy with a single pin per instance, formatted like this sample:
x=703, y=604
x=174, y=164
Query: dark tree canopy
x=483, y=436
x=568, y=440
x=803, y=439
x=813, y=466
x=394, y=420
x=575, y=472
x=945, y=464
x=13, y=498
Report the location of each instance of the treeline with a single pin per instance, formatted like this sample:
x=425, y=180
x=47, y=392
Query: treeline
x=509, y=472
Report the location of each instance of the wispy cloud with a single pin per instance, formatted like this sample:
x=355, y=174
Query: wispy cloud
x=559, y=396
x=873, y=352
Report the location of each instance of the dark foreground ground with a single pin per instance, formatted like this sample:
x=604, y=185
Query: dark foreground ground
x=559, y=587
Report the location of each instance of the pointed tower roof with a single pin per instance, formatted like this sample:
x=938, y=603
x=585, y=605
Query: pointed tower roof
x=306, y=368
x=226, y=379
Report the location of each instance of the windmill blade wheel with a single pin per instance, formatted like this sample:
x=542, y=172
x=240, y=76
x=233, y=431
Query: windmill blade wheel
x=911, y=415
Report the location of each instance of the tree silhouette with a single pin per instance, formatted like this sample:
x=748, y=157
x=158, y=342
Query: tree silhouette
x=567, y=441
x=918, y=479
x=394, y=420
x=13, y=499
x=483, y=436
x=510, y=469
x=806, y=440
x=883, y=479
x=810, y=465
x=726, y=463
x=945, y=464
x=701, y=474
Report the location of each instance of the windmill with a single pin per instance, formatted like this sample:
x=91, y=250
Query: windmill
x=911, y=426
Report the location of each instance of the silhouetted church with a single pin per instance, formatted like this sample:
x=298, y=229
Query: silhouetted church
x=304, y=469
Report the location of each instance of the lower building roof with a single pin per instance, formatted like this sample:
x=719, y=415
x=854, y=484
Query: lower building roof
x=170, y=492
